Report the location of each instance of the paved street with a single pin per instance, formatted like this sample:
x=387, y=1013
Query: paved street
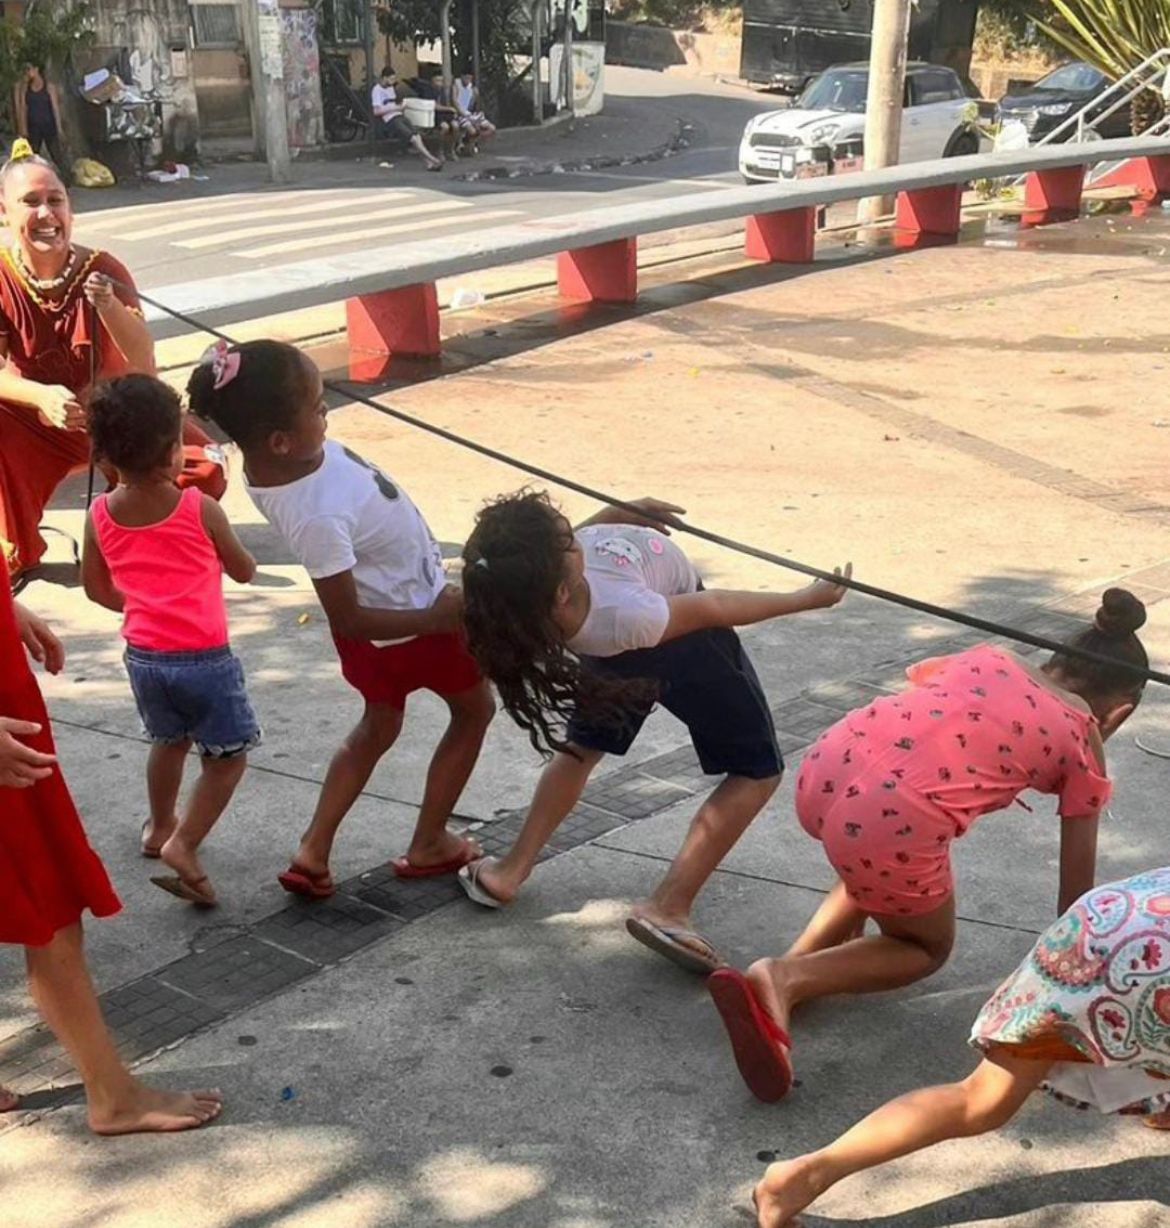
x=182, y=232
x=982, y=426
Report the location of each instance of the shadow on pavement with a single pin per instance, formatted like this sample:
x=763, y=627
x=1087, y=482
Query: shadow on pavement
x=1142, y=1179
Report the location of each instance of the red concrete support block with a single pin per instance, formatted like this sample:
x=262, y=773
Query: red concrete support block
x=928, y=217
x=604, y=273
x=398, y=323
x=1149, y=177
x=786, y=237
x=1053, y=196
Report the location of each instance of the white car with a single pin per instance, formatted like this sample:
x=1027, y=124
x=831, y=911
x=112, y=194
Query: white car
x=824, y=131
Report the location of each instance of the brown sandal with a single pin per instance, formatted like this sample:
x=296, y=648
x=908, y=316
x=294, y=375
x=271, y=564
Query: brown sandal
x=186, y=888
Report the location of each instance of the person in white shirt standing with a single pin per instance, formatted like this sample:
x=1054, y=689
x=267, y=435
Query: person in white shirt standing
x=379, y=575
x=583, y=631
x=394, y=125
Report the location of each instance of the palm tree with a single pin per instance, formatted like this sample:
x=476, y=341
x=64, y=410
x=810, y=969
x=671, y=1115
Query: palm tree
x=1115, y=36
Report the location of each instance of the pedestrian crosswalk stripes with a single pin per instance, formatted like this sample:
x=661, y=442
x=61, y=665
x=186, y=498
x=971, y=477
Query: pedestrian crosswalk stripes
x=342, y=222
x=285, y=211
x=129, y=216
x=421, y=226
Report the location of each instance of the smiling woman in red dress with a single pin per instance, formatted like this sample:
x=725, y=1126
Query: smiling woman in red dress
x=50, y=292
x=49, y=876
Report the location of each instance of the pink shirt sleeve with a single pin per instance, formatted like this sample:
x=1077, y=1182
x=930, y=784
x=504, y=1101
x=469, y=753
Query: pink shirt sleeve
x=1084, y=792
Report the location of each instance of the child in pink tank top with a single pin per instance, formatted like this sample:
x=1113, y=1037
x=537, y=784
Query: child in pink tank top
x=890, y=786
x=156, y=555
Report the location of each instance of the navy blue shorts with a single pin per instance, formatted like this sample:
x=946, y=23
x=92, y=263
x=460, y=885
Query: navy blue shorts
x=707, y=681
x=194, y=696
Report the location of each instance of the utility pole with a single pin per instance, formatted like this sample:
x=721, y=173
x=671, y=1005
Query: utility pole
x=268, y=85
x=537, y=93
x=883, y=108
x=567, y=65
x=445, y=41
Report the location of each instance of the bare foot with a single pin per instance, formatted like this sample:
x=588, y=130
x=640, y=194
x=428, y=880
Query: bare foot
x=155, y=834
x=786, y=1189
x=1156, y=1121
x=768, y=982
x=8, y=1100
x=449, y=847
x=146, y=1110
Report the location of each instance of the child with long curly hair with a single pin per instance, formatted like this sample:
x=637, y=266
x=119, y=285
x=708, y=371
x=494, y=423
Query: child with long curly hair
x=582, y=631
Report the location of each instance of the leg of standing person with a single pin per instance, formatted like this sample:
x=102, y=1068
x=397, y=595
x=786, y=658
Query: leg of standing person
x=709, y=683
x=34, y=460
x=164, y=778
x=117, y=1102
x=715, y=830
x=218, y=778
x=985, y=1101
x=349, y=770
x=451, y=765
x=557, y=791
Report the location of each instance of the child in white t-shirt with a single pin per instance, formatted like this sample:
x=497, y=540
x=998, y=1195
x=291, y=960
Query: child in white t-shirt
x=379, y=575
x=582, y=632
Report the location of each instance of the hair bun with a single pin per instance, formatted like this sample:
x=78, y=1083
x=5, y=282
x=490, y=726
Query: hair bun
x=21, y=150
x=1121, y=614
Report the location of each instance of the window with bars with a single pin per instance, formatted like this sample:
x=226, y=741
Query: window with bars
x=216, y=25
x=342, y=21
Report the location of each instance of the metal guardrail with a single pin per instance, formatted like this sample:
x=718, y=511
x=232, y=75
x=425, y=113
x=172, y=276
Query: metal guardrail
x=250, y=294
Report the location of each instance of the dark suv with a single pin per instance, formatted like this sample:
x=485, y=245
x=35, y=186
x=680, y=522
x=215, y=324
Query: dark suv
x=1056, y=98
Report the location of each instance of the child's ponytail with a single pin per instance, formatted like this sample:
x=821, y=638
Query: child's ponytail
x=249, y=390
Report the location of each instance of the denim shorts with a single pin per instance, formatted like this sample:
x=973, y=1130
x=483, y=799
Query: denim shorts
x=194, y=696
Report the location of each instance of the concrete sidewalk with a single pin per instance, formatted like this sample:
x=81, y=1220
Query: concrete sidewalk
x=972, y=426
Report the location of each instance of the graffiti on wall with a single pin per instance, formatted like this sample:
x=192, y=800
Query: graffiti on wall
x=302, y=78
x=139, y=31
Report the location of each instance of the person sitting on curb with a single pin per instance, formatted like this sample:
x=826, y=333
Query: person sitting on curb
x=473, y=123
x=446, y=117
x=387, y=108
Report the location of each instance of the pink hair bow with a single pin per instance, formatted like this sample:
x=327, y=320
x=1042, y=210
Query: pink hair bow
x=225, y=364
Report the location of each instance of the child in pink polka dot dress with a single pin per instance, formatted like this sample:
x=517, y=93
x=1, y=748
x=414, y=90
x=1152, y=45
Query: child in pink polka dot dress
x=890, y=786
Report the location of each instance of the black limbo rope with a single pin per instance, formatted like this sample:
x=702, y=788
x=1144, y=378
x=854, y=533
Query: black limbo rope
x=717, y=539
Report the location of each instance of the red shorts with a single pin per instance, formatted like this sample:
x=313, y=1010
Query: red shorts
x=387, y=675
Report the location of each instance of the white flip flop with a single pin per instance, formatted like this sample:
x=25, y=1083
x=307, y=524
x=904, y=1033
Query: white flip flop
x=469, y=881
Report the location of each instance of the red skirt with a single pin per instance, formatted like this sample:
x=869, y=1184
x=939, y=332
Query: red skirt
x=49, y=875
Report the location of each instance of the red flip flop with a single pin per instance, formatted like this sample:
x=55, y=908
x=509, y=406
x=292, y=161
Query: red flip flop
x=760, y=1045
x=298, y=881
x=403, y=867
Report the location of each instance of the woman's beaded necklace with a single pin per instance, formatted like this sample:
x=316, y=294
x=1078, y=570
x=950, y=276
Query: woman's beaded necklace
x=46, y=285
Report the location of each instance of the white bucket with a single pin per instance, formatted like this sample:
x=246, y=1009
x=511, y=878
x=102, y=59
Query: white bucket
x=420, y=111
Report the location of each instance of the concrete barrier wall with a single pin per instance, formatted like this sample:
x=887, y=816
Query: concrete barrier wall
x=681, y=51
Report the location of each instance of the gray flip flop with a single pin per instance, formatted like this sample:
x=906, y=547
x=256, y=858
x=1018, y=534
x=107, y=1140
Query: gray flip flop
x=469, y=880
x=184, y=889
x=668, y=943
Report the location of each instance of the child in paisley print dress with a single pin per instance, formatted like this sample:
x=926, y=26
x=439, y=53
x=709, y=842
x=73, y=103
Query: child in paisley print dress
x=1086, y=1016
